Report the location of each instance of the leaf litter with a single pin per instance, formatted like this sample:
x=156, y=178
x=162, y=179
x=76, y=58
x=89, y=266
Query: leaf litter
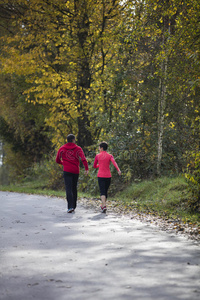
x=165, y=223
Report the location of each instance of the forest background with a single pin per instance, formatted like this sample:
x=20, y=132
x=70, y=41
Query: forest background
x=127, y=72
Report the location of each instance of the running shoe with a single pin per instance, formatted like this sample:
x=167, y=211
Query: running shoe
x=103, y=209
x=70, y=210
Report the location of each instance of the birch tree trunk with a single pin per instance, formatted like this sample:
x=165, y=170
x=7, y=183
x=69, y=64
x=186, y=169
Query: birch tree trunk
x=162, y=98
x=161, y=115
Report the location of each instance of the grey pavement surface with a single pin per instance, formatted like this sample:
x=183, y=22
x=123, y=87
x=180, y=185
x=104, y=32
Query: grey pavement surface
x=48, y=254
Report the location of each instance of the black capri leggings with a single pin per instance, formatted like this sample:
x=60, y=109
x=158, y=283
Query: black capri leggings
x=104, y=184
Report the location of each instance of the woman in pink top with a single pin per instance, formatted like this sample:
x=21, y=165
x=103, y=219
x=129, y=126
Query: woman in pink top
x=102, y=161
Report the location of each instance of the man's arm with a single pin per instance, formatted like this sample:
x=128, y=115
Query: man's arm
x=59, y=157
x=84, y=160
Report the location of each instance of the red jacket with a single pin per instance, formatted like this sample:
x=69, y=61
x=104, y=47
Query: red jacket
x=69, y=155
x=102, y=161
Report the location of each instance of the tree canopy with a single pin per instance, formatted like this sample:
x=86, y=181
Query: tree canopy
x=124, y=71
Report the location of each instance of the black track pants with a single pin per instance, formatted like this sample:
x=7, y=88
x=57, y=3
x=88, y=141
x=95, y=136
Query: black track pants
x=71, y=181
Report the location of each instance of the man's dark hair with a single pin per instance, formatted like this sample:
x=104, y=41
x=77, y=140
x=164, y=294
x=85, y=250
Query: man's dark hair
x=70, y=138
x=104, y=145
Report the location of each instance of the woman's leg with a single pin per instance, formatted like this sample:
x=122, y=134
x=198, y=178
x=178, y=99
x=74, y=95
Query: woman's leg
x=102, y=187
x=107, y=184
x=103, y=200
x=104, y=184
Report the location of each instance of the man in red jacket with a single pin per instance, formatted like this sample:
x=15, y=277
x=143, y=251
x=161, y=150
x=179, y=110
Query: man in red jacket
x=69, y=156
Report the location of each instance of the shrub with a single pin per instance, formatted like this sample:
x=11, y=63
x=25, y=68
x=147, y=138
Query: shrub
x=193, y=179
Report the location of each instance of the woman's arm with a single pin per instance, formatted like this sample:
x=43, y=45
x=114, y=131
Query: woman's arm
x=95, y=165
x=115, y=165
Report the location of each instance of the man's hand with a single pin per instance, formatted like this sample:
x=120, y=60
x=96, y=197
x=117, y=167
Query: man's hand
x=86, y=172
x=119, y=172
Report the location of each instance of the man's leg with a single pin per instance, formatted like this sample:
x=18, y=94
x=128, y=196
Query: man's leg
x=68, y=187
x=74, y=189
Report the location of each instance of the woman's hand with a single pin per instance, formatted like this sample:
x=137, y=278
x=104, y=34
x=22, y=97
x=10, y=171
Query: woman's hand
x=120, y=173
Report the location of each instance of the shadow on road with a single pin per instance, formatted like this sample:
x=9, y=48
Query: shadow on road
x=49, y=254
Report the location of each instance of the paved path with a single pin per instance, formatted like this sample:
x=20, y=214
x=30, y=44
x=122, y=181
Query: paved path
x=47, y=254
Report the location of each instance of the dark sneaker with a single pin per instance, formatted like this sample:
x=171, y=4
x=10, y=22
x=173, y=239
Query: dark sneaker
x=103, y=209
x=70, y=210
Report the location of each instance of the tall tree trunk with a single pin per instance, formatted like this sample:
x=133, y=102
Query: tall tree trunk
x=84, y=134
x=1, y=153
x=83, y=76
x=162, y=98
x=161, y=115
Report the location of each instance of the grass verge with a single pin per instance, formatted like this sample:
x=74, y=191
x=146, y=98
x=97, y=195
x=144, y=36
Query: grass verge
x=37, y=187
x=165, y=197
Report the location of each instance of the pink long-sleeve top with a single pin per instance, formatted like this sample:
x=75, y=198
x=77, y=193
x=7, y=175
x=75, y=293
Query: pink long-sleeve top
x=102, y=161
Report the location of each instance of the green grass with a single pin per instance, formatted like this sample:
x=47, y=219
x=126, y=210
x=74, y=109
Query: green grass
x=37, y=187
x=166, y=197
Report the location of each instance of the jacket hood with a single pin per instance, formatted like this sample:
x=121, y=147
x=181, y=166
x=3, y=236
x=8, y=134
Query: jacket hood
x=70, y=146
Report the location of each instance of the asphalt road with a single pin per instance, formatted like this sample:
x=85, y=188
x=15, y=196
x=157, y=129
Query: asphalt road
x=48, y=254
